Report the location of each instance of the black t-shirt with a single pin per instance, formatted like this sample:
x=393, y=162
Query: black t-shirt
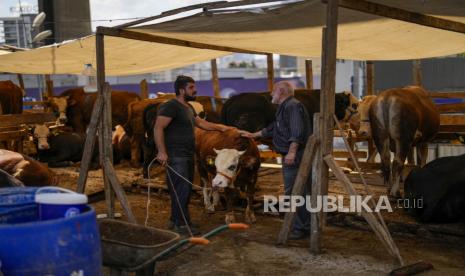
x=179, y=134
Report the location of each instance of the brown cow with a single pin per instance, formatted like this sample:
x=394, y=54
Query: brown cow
x=134, y=127
x=235, y=167
x=401, y=118
x=11, y=98
x=79, y=105
x=27, y=170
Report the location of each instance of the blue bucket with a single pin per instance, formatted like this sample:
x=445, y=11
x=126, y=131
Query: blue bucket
x=65, y=246
x=59, y=203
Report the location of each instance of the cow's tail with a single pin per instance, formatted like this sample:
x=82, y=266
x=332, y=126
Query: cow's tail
x=127, y=126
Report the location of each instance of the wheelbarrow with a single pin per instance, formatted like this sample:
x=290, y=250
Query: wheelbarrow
x=128, y=247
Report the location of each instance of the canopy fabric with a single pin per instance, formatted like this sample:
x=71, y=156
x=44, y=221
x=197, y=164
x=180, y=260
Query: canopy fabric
x=293, y=29
x=296, y=30
x=122, y=57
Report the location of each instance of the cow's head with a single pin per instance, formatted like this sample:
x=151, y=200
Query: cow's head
x=346, y=106
x=199, y=110
x=59, y=105
x=364, y=110
x=227, y=167
x=41, y=133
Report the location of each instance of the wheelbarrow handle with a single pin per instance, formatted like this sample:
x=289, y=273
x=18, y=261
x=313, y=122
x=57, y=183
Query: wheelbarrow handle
x=183, y=242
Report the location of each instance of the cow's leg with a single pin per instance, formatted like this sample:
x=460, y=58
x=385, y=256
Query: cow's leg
x=410, y=156
x=58, y=161
x=206, y=188
x=230, y=193
x=385, y=154
x=249, y=213
x=135, y=151
x=402, y=150
x=148, y=150
x=422, y=154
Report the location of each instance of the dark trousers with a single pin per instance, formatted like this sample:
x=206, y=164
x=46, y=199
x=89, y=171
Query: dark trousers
x=302, y=219
x=185, y=167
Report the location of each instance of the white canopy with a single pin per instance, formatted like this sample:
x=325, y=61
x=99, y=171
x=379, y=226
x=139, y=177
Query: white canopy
x=293, y=29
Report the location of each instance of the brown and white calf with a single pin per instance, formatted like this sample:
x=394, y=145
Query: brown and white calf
x=227, y=160
x=399, y=119
x=27, y=170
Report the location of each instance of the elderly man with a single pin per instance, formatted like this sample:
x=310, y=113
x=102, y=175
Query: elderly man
x=290, y=132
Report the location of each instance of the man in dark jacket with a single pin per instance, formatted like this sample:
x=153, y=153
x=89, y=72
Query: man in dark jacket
x=290, y=132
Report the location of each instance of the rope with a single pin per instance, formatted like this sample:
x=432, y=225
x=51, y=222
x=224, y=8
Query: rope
x=175, y=193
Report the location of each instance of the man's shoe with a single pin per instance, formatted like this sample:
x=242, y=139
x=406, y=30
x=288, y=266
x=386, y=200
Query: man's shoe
x=298, y=235
x=182, y=230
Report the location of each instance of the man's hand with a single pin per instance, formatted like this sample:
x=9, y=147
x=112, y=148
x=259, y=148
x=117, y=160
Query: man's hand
x=246, y=134
x=289, y=159
x=162, y=158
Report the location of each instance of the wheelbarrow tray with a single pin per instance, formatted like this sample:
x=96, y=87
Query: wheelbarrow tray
x=127, y=246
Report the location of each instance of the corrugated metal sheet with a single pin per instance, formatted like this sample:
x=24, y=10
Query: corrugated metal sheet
x=439, y=74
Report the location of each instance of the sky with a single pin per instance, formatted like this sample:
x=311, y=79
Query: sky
x=111, y=9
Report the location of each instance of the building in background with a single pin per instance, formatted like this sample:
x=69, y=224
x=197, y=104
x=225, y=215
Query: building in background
x=17, y=31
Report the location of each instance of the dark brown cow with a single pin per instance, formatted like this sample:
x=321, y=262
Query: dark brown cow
x=235, y=167
x=79, y=105
x=26, y=169
x=401, y=118
x=134, y=127
x=11, y=98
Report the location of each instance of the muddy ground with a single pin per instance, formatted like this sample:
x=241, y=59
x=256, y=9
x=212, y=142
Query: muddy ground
x=346, y=250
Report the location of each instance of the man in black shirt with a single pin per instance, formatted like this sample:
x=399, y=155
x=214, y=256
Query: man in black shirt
x=175, y=140
x=290, y=132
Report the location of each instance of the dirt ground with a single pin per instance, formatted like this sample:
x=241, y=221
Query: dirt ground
x=253, y=252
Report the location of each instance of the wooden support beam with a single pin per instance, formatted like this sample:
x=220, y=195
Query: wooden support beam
x=111, y=174
x=144, y=89
x=124, y=33
x=448, y=94
x=301, y=180
x=215, y=80
x=13, y=120
x=205, y=6
x=309, y=74
x=370, y=78
x=270, y=71
x=403, y=15
x=89, y=144
x=316, y=218
x=451, y=108
x=416, y=73
x=381, y=232
x=327, y=103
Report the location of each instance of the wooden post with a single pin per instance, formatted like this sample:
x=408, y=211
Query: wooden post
x=21, y=83
x=417, y=74
x=215, y=81
x=270, y=70
x=298, y=189
x=370, y=80
x=309, y=74
x=316, y=218
x=327, y=100
x=144, y=89
x=49, y=86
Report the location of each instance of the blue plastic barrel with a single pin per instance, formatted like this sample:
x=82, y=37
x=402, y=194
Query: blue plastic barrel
x=65, y=246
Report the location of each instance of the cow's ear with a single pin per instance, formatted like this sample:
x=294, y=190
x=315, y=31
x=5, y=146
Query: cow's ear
x=216, y=151
x=249, y=162
x=71, y=102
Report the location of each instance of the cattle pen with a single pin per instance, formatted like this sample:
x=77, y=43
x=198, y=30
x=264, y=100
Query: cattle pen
x=254, y=252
